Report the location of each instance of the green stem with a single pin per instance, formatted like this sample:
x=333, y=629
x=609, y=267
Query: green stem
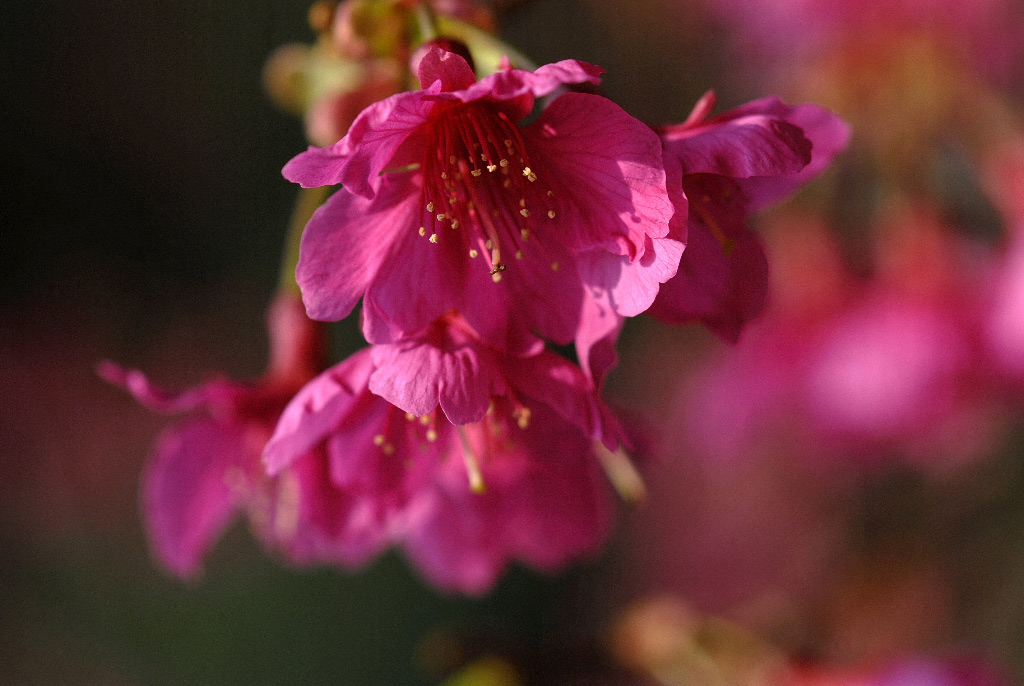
x=427, y=22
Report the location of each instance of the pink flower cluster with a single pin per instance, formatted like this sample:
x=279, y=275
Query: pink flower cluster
x=474, y=233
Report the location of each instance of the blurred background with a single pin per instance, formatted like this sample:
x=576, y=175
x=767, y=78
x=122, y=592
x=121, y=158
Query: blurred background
x=143, y=218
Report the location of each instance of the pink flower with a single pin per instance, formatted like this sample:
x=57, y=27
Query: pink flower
x=518, y=481
x=733, y=165
x=449, y=202
x=207, y=469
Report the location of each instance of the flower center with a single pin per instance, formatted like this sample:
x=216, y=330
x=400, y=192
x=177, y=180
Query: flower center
x=478, y=180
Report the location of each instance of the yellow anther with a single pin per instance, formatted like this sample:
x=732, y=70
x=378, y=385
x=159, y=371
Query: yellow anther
x=410, y=416
x=492, y=167
x=476, y=172
x=551, y=194
x=527, y=171
x=441, y=217
x=388, y=449
x=496, y=277
x=551, y=214
x=503, y=163
x=473, y=253
x=455, y=223
x=508, y=142
x=507, y=184
x=531, y=177
x=525, y=212
x=378, y=440
x=430, y=206
x=431, y=435
x=555, y=266
x=519, y=254
x=423, y=231
x=522, y=202
x=433, y=238
x=489, y=245
x=525, y=233
x=451, y=159
x=425, y=419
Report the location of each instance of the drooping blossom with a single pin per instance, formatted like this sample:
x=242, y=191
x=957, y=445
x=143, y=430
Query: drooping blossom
x=733, y=165
x=207, y=469
x=516, y=479
x=450, y=202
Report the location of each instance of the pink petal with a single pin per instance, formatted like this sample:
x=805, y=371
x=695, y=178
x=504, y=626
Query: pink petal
x=540, y=292
x=456, y=543
x=562, y=509
x=418, y=374
x=722, y=290
x=599, y=330
x=632, y=285
x=607, y=173
x=317, y=166
x=186, y=499
x=346, y=242
x=562, y=386
x=751, y=145
x=156, y=398
x=330, y=525
x=386, y=135
x=417, y=281
x=316, y=410
x=450, y=69
x=829, y=136
x=513, y=84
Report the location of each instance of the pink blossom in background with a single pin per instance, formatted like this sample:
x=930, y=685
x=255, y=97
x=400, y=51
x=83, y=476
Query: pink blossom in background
x=892, y=366
x=1006, y=327
x=735, y=164
x=517, y=481
x=207, y=469
x=450, y=203
x=987, y=33
x=757, y=541
x=1004, y=178
x=908, y=671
